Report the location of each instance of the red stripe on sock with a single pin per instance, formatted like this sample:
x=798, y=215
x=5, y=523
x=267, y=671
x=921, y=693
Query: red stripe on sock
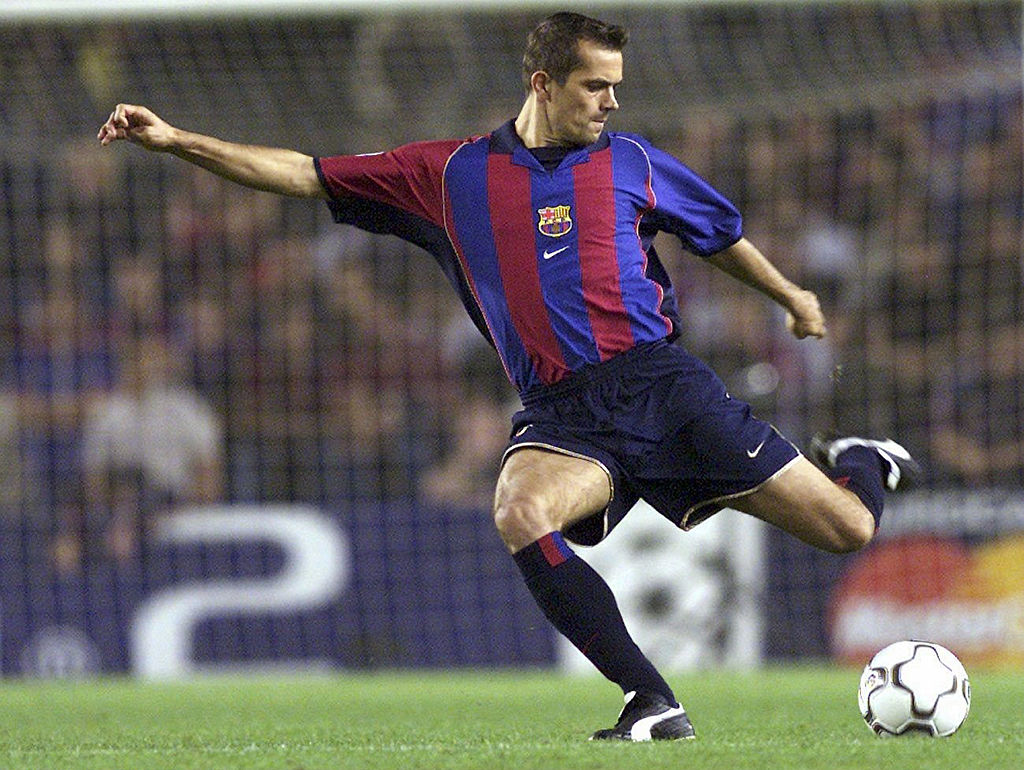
x=551, y=551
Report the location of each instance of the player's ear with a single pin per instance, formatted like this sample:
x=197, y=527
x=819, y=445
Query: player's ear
x=540, y=85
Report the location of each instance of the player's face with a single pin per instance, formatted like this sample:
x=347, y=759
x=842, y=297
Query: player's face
x=577, y=110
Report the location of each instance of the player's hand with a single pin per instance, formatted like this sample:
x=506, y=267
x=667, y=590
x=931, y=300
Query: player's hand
x=139, y=125
x=804, y=317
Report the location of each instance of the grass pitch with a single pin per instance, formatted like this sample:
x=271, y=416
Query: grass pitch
x=778, y=718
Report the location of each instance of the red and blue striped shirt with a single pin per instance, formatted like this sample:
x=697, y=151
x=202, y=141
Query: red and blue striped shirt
x=556, y=267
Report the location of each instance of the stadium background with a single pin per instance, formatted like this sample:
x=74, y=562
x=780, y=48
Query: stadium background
x=309, y=485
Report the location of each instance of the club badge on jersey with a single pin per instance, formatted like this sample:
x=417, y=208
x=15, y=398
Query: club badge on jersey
x=554, y=221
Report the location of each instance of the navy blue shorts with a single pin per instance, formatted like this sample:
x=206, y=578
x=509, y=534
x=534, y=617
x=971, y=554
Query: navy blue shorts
x=662, y=425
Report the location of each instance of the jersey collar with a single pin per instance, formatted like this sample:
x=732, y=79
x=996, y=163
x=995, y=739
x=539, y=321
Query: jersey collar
x=505, y=140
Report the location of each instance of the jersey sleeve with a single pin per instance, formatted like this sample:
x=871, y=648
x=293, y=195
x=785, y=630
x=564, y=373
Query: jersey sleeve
x=688, y=207
x=363, y=188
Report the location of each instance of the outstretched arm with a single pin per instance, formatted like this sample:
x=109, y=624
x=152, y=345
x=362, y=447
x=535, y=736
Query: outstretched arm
x=285, y=172
x=746, y=263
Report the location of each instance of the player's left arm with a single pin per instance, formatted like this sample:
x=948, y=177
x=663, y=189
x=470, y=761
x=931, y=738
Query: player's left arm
x=710, y=226
x=746, y=263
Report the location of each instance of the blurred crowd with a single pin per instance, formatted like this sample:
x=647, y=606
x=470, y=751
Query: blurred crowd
x=168, y=339
x=232, y=357
x=906, y=220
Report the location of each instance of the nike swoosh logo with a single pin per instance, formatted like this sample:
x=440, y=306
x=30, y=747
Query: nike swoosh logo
x=752, y=453
x=550, y=254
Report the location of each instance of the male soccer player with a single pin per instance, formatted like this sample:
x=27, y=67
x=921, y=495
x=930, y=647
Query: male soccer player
x=545, y=229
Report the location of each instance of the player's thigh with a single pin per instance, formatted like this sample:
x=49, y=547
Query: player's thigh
x=806, y=503
x=541, y=491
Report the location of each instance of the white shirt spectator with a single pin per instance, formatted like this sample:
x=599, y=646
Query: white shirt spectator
x=168, y=433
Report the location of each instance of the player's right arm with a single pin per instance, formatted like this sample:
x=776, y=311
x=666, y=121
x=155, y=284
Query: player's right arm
x=275, y=170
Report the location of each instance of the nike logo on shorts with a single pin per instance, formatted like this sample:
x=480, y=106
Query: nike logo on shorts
x=752, y=453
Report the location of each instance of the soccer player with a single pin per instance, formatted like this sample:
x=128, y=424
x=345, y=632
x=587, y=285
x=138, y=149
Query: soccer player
x=545, y=229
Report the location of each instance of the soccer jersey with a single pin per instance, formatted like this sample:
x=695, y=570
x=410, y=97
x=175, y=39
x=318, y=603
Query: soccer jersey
x=556, y=267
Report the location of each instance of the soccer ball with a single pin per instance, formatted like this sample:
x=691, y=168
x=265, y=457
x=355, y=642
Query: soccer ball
x=914, y=687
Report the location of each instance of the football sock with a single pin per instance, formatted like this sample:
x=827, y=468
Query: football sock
x=860, y=469
x=578, y=602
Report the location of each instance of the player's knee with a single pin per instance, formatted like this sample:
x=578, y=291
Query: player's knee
x=853, y=532
x=519, y=521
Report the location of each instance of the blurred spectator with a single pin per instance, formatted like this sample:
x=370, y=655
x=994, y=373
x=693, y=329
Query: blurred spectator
x=209, y=339
x=152, y=444
x=215, y=229
x=276, y=383
x=385, y=382
x=67, y=264
x=139, y=302
x=977, y=416
x=464, y=476
x=12, y=481
x=60, y=365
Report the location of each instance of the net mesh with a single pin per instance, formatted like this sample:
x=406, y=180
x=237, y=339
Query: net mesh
x=875, y=150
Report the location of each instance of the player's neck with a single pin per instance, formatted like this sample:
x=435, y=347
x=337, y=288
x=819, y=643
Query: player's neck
x=533, y=127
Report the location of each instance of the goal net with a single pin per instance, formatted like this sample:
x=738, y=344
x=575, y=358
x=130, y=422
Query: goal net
x=170, y=341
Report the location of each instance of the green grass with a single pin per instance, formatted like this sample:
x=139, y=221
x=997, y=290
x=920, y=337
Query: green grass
x=778, y=718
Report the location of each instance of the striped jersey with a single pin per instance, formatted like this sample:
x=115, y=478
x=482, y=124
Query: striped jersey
x=557, y=268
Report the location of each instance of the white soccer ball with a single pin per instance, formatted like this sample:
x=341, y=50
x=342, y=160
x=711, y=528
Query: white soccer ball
x=914, y=687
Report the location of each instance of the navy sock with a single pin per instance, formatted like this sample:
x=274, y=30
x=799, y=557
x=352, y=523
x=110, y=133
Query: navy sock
x=860, y=469
x=578, y=602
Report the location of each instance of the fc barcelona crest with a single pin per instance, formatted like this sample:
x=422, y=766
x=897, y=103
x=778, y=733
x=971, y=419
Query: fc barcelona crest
x=554, y=221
